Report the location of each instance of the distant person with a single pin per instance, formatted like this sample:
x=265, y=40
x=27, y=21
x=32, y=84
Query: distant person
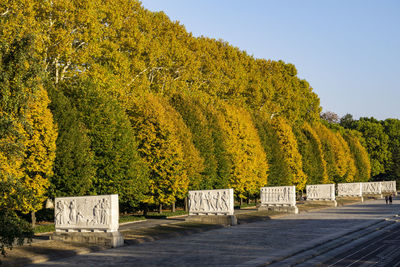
x=390, y=199
x=387, y=199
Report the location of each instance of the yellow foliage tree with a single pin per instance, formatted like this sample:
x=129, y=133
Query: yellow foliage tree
x=292, y=157
x=360, y=154
x=334, y=153
x=351, y=167
x=165, y=144
x=315, y=167
x=249, y=167
x=40, y=150
x=28, y=134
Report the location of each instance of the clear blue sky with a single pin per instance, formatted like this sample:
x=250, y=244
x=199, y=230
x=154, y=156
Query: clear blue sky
x=348, y=50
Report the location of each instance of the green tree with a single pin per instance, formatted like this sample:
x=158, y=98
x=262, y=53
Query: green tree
x=119, y=169
x=74, y=167
x=347, y=121
x=310, y=147
x=360, y=155
x=392, y=129
x=192, y=110
x=376, y=141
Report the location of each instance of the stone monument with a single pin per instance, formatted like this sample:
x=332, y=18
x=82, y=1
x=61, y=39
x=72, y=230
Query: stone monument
x=350, y=190
x=212, y=206
x=322, y=193
x=372, y=189
x=279, y=198
x=91, y=219
x=389, y=187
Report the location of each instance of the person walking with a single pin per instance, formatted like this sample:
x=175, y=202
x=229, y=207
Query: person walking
x=390, y=199
x=386, y=199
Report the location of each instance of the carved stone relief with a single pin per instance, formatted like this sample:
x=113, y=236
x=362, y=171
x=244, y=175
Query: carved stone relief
x=278, y=195
x=219, y=201
x=349, y=189
x=372, y=188
x=321, y=192
x=388, y=186
x=87, y=213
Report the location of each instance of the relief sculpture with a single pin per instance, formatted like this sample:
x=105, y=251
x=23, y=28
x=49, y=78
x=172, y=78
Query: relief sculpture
x=321, y=192
x=388, y=186
x=279, y=198
x=372, y=188
x=211, y=201
x=349, y=189
x=89, y=212
x=284, y=195
x=278, y=195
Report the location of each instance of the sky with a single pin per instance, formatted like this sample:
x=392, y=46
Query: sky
x=348, y=50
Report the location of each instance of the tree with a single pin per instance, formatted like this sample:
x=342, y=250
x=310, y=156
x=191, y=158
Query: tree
x=330, y=117
x=376, y=141
x=292, y=157
x=192, y=110
x=27, y=137
x=279, y=172
x=74, y=166
x=392, y=129
x=360, y=155
x=40, y=151
x=334, y=153
x=310, y=148
x=160, y=146
x=119, y=169
x=242, y=144
x=347, y=121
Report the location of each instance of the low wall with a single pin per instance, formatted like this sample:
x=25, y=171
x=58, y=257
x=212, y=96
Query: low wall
x=349, y=190
x=211, y=202
x=324, y=192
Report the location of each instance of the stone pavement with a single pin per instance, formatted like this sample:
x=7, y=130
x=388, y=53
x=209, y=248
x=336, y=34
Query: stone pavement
x=251, y=244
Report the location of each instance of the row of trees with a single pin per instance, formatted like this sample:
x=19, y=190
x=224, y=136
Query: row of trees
x=382, y=141
x=103, y=96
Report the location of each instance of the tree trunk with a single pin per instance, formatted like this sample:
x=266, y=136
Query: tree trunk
x=145, y=210
x=33, y=218
x=248, y=200
x=186, y=204
x=160, y=209
x=241, y=202
x=173, y=207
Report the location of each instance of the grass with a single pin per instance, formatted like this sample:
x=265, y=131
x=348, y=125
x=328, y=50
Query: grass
x=130, y=218
x=44, y=228
x=165, y=214
x=245, y=205
x=49, y=227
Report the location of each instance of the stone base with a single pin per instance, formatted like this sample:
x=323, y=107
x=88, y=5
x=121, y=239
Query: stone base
x=357, y=198
x=286, y=209
x=332, y=203
x=374, y=196
x=213, y=219
x=110, y=239
x=389, y=193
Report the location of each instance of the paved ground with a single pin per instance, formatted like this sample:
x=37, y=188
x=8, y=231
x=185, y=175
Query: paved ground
x=249, y=244
x=379, y=248
x=380, y=251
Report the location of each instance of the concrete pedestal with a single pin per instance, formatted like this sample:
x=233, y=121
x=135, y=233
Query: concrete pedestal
x=213, y=219
x=332, y=203
x=107, y=239
x=373, y=196
x=286, y=209
x=356, y=198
